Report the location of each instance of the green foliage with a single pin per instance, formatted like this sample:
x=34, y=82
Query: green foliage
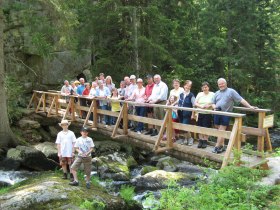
x=127, y=193
x=93, y=205
x=231, y=188
x=14, y=91
x=277, y=152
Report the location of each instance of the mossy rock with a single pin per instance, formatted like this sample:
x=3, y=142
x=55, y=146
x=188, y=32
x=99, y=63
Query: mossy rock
x=49, y=191
x=148, y=169
x=131, y=162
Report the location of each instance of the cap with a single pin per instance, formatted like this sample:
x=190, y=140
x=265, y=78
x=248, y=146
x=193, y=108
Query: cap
x=149, y=76
x=85, y=129
x=132, y=77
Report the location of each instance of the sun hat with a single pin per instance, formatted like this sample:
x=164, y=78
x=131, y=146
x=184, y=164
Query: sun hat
x=77, y=82
x=63, y=122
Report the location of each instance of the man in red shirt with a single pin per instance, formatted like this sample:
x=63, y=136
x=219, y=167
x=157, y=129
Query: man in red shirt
x=148, y=92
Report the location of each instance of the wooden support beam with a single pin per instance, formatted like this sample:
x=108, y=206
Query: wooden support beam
x=56, y=104
x=67, y=110
x=267, y=141
x=125, y=118
x=51, y=106
x=238, y=139
x=39, y=104
x=253, y=131
x=44, y=102
x=31, y=100
x=89, y=113
x=163, y=149
x=147, y=120
x=161, y=131
x=261, y=138
x=231, y=142
x=95, y=115
x=169, y=130
x=72, y=101
x=117, y=123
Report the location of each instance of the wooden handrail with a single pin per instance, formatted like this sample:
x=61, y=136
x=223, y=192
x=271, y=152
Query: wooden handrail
x=251, y=110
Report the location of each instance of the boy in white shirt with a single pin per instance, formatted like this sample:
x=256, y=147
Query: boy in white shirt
x=65, y=147
x=84, y=146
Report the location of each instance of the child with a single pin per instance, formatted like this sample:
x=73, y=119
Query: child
x=84, y=146
x=115, y=105
x=186, y=99
x=65, y=147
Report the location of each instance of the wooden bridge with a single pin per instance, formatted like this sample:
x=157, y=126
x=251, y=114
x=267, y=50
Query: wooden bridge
x=54, y=104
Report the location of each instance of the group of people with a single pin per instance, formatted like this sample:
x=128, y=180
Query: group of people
x=156, y=92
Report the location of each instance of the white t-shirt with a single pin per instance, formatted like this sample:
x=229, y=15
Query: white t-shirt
x=84, y=144
x=66, y=141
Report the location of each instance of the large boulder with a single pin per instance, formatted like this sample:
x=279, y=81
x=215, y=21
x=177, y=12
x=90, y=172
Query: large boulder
x=31, y=158
x=106, y=147
x=168, y=164
x=115, y=166
x=9, y=164
x=28, y=124
x=159, y=179
x=49, y=149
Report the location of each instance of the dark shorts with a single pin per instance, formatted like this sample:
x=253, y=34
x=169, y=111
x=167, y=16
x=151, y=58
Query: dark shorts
x=221, y=120
x=82, y=160
x=65, y=160
x=204, y=120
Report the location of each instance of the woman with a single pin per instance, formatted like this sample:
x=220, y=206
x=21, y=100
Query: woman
x=138, y=95
x=109, y=83
x=186, y=99
x=177, y=90
x=204, y=101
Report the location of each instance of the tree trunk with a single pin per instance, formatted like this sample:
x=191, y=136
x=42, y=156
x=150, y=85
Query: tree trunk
x=7, y=138
x=135, y=41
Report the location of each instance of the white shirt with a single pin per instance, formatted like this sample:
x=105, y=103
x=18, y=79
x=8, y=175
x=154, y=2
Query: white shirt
x=92, y=92
x=84, y=145
x=66, y=141
x=177, y=92
x=160, y=92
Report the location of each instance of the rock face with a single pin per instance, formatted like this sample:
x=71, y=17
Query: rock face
x=28, y=124
x=31, y=158
x=274, y=175
x=159, y=179
x=49, y=149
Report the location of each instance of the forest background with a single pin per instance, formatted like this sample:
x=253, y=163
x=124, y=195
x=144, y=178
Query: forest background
x=200, y=40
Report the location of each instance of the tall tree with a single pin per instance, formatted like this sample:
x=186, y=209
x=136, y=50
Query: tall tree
x=7, y=138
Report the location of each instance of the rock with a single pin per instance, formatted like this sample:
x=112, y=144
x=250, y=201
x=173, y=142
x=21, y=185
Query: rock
x=28, y=124
x=188, y=167
x=168, y=164
x=45, y=121
x=49, y=149
x=53, y=131
x=148, y=169
x=10, y=164
x=274, y=175
x=131, y=162
x=3, y=153
x=45, y=135
x=159, y=179
x=113, y=166
x=51, y=192
x=106, y=147
x=31, y=158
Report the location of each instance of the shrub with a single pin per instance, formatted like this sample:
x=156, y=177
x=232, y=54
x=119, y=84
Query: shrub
x=127, y=193
x=92, y=205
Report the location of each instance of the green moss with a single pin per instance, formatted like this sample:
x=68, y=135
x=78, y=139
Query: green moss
x=148, y=169
x=131, y=162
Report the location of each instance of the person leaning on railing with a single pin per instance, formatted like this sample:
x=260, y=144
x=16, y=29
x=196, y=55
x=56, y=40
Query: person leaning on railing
x=158, y=96
x=204, y=101
x=223, y=100
x=149, y=110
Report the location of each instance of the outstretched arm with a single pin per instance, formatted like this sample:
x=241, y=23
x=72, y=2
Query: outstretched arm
x=246, y=104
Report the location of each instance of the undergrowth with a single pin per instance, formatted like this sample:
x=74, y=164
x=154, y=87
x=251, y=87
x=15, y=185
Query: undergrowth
x=231, y=188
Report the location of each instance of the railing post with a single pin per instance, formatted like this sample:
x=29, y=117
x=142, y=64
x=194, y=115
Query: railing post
x=56, y=104
x=169, y=129
x=72, y=101
x=238, y=139
x=261, y=138
x=125, y=118
x=95, y=115
x=44, y=102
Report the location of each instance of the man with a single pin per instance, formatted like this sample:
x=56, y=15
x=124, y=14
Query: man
x=223, y=100
x=158, y=96
x=128, y=92
x=84, y=146
x=81, y=86
x=80, y=89
x=65, y=147
x=66, y=88
x=148, y=93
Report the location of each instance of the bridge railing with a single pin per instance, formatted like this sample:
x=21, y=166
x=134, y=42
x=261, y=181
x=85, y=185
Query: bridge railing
x=53, y=103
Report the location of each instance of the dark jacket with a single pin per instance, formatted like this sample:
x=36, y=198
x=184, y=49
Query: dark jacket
x=185, y=102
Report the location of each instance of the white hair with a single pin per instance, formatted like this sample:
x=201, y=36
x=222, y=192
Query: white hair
x=222, y=80
x=157, y=76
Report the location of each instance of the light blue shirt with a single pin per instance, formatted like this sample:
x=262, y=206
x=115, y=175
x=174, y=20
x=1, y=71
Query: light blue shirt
x=80, y=89
x=104, y=92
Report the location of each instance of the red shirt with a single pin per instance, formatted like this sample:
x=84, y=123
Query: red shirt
x=149, y=89
x=86, y=92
